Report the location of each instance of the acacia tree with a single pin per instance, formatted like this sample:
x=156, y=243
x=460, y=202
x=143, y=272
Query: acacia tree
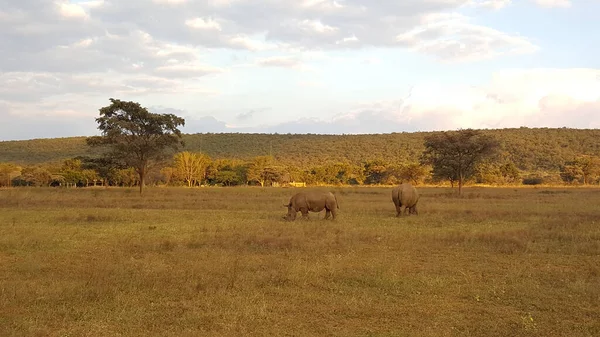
x=7, y=172
x=590, y=168
x=412, y=172
x=375, y=171
x=135, y=136
x=263, y=170
x=584, y=169
x=106, y=168
x=454, y=155
x=191, y=167
x=509, y=172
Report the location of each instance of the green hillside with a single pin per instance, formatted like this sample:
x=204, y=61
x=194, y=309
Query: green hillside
x=528, y=148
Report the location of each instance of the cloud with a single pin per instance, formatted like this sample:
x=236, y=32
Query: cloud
x=534, y=97
x=553, y=3
x=22, y=121
x=131, y=52
x=269, y=24
x=512, y=98
x=138, y=36
x=186, y=71
x=59, y=57
x=70, y=10
x=204, y=125
x=451, y=37
x=35, y=87
x=205, y=24
x=250, y=114
x=245, y=115
x=279, y=61
x=489, y=4
x=165, y=39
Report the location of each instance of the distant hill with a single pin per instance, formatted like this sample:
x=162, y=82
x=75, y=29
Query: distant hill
x=528, y=148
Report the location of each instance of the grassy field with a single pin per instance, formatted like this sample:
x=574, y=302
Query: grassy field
x=222, y=262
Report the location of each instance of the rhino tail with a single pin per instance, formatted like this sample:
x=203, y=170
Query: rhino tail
x=336, y=202
x=399, y=196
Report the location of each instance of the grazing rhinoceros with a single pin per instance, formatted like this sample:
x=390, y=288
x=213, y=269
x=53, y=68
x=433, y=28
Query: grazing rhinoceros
x=405, y=195
x=314, y=201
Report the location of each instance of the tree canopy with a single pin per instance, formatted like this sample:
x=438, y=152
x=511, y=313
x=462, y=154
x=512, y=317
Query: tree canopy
x=454, y=155
x=135, y=136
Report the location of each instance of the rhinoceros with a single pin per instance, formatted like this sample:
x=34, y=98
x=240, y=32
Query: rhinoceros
x=314, y=201
x=405, y=195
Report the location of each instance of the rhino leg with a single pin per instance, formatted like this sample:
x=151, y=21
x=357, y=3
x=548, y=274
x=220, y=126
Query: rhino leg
x=330, y=212
x=413, y=210
x=398, y=210
x=304, y=212
x=333, y=213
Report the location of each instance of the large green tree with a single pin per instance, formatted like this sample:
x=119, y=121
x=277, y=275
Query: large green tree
x=454, y=155
x=135, y=136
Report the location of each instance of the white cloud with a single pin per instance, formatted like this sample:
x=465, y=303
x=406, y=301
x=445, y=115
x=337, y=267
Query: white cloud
x=200, y=23
x=553, y=3
x=186, y=70
x=22, y=88
x=490, y=4
x=512, y=98
x=316, y=26
x=534, y=97
x=279, y=61
x=451, y=37
x=170, y=2
x=252, y=44
x=69, y=56
x=349, y=39
x=70, y=10
x=308, y=24
x=31, y=32
x=543, y=98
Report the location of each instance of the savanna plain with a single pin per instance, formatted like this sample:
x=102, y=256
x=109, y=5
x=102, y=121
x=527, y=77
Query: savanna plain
x=222, y=262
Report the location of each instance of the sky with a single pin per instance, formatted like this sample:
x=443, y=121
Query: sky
x=300, y=66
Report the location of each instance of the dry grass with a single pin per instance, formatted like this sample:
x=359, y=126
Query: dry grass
x=222, y=262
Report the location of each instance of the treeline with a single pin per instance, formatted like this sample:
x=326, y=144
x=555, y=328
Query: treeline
x=532, y=150
x=196, y=169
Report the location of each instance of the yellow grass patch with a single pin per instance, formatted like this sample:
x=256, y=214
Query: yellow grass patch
x=222, y=262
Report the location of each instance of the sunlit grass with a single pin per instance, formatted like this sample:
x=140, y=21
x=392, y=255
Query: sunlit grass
x=222, y=262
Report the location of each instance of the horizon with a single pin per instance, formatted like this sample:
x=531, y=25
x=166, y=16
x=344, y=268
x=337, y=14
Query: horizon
x=324, y=67
x=325, y=134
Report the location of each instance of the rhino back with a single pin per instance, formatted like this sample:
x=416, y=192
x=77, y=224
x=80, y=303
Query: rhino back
x=408, y=195
x=298, y=200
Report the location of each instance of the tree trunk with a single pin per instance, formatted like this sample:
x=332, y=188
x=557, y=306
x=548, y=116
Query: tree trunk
x=142, y=180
